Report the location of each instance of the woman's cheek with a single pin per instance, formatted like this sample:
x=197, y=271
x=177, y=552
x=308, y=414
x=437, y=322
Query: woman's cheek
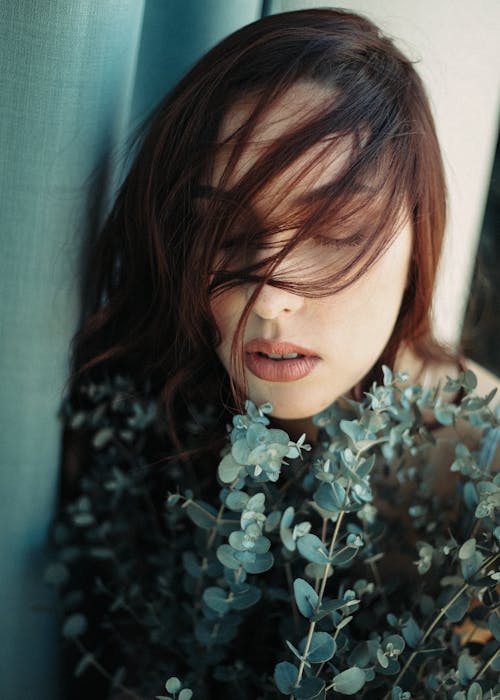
x=227, y=309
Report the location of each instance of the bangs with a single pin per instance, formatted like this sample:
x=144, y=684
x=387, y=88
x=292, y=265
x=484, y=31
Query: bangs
x=299, y=181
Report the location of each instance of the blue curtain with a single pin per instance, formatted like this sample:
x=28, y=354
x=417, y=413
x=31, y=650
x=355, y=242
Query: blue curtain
x=74, y=78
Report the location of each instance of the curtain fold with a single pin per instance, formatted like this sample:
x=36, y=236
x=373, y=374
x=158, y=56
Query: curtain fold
x=75, y=77
x=66, y=78
x=175, y=34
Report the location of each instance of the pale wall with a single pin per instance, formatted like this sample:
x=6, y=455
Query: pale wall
x=457, y=46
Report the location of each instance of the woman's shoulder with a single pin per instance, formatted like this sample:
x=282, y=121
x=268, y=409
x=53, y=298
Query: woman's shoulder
x=432, y=374
x=486, y=380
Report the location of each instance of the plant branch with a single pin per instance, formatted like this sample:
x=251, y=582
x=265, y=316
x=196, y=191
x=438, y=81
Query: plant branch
x=487, y=665
x=99, y=667
x=320, y=596
x=431, y=627
x=289, y=580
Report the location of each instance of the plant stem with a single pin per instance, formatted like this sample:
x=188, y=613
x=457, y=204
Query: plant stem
x=438, y=617
x=426, y=635
x=210, y=540
x=330, y=552
x=487, y=665
x=289, y=580
x=323, y=530
x=320, y=596
x=213, y=531
x=323, y=539
x=489, y=450
x=106, y=674
x=304, y=655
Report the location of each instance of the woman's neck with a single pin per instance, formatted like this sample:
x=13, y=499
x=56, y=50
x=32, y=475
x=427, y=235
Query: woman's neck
x=295, y=427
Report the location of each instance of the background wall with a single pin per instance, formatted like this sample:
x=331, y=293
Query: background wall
x=74, y=77
x=457, y=50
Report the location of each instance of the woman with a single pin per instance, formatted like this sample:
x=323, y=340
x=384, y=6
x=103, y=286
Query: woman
x=306, y=137
x=278, y=234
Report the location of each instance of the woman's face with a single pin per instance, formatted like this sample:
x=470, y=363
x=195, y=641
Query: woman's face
x=303, y=353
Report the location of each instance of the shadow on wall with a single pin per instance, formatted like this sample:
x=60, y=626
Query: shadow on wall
x=481, y=333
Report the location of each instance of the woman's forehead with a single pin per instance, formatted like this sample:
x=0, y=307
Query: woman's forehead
x=318, y=166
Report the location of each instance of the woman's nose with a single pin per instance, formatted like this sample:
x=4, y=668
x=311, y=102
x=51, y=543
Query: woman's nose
x=273, y=302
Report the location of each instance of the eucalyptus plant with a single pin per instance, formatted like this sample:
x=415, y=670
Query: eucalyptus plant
x=277, y=583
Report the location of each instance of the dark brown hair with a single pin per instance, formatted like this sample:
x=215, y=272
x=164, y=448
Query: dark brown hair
x=157, y=261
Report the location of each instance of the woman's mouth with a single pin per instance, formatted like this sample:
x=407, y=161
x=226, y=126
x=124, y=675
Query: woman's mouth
x=279, y=361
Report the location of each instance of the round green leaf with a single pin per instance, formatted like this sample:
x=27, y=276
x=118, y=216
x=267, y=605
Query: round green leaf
x=475, y=692
x=173, y=685
x=86, y=661
x=191, y=564
x=173, y=499
x=185, y=694
x=331, y=496
x=387, y=375
x=305, y=597
x=327, y=607
x=456, y=611
x=287, y=518
x=246, y=597
x=287, y=539
x=236, y=540
x=315, y=571
x=82, y=519
x=295, y=651
x=257, y=434
x=225, y=554
x=277, y=436
x=309, y=688
x=467, y=668
x=202, y=514
x=56, y=574
x=261, y=563
x=467, y=549
x=240, y=451
x=228, y=469
x=349, y=682
x=382, y=658
x=494, y=624
x=256, y=503
x=237, y=500
x=312, y=549
x=74, y=626
x=272, y=521
x=216, y=599
x=470, y=380
x=321, y=649
x=396, y=641
x=412, y=633
x=102, y=437
x=471, y=566
x=101, y=552
x=285, y=676
x=445, y=414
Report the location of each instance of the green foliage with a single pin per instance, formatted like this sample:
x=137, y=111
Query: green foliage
x=174, y=686
x=299, y=577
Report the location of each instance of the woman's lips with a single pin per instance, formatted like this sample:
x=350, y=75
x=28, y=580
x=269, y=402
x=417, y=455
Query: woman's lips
x=278, y=361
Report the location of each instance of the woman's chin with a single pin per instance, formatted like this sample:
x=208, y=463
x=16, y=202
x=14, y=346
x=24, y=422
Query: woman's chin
x=295, y=410
x=294, y=400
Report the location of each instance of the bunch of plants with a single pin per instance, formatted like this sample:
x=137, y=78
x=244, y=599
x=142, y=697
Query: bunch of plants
x=287, y=570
